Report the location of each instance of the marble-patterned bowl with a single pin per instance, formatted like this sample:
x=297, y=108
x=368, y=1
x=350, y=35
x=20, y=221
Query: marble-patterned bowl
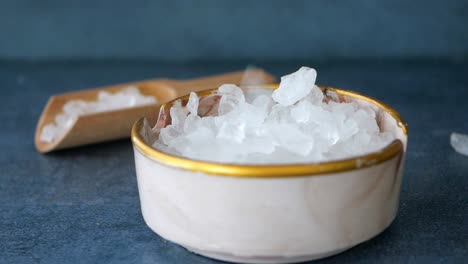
x=272, y=213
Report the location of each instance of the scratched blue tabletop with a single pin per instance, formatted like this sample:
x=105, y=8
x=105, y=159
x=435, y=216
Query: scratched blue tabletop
x=81, y=205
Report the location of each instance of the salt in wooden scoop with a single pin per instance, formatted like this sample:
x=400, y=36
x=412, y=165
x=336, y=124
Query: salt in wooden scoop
x=116, y=124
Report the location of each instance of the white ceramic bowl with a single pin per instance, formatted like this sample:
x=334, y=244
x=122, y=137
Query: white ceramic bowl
x=272, y=213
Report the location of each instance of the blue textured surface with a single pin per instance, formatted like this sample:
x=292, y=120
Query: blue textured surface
x=81, y=205
x=185, y=30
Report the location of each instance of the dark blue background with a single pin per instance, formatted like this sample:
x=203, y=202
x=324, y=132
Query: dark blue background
x=81, y=205
x=183, y=30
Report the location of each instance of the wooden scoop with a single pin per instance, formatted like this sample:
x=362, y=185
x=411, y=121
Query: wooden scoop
x=105, y=126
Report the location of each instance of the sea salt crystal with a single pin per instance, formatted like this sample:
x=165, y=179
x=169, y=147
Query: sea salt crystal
x=192, y=122
x=126, y=98
x=291, y=138
x=293, y=124
x=295, y=86
x=192, y=104
x=363, y=119
x=167, y=135
x=315, y=96
x=459, y=142
x=195, y=144
x=65, y=120
x=234, y=130
x=263, y=102
x=252, y=93
x=49, y=133
x=302, y=112
x=178, y=115
x=231, y=96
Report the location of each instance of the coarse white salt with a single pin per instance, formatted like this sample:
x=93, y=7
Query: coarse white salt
x=293, y=124
x=126, y=98
x=459, y=142
x=295, y=86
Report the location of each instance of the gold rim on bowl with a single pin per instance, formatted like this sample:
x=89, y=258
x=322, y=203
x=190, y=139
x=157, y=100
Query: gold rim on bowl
x=275, y=171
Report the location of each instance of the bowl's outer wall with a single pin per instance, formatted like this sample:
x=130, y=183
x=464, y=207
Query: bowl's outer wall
x=268, y=216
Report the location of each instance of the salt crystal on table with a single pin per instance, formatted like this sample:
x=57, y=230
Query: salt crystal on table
x=127, y=97
x=459, y=142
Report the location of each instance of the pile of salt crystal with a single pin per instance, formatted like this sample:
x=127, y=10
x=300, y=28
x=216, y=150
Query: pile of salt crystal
x=126, y=98
x=459, y=142
x=293, y=124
